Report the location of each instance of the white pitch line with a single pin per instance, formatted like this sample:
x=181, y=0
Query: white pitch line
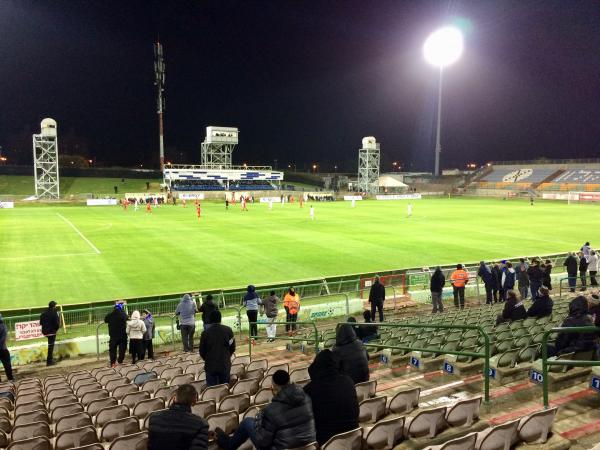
x=78, y=232
x=18, y=258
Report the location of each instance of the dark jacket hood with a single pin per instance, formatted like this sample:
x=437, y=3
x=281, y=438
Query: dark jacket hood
x=578, y=306
x=345, y=335
x=324, y=367
x=291, y=394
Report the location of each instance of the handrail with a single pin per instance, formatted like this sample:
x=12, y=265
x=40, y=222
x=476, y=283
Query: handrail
x=560, y=284
x=485, y=355
x=312, y=323
x=562, y=362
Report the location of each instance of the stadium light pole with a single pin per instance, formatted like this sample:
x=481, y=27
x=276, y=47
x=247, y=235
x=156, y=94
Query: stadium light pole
x=442, y=48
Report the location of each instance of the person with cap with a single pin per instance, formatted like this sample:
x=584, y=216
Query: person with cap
x=351, y=354
x=459, y=280
x=147, y=346
x=286, y=422
x=50, y=322
x=542, y=304
x=376, y=298
x=251, y=302
x=117, y=332
x=178, y=428
x=333, y=396
x=135, y=330
x=217, y=344
x=186, y=310
x=291, y=303
x=207, y=307
x=4, y=353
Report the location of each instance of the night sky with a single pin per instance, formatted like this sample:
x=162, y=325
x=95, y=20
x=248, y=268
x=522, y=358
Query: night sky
x=303, y=80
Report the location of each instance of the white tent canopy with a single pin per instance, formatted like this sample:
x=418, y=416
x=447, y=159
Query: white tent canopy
x=390, y=181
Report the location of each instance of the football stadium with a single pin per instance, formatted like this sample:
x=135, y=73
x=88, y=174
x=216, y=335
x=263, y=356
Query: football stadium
x=263, y=290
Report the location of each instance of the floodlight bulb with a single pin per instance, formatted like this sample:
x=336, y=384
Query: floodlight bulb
x=443, y=47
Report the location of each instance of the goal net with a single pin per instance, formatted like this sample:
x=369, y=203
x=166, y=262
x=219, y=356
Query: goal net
x=583, y=197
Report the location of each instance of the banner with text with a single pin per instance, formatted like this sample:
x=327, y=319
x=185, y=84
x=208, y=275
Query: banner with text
x=7, y=205
x=399, y=197
x=101, y=201
x=28, y=330
x=352, y=197
x=191, y=196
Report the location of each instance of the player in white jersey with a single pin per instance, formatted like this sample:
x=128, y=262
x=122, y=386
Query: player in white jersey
x=312, y=213
x=409, y=210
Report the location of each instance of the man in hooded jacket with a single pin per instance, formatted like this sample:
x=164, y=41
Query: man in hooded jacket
x=333, y=396
x=117, y=332
x=575, y=342
x=351, y=354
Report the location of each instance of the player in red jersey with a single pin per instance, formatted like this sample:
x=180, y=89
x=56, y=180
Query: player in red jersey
x=244, y=207
x=125, y=204
x=301, y=197
x=149, y=207
x=198, y=211
x=183, y=201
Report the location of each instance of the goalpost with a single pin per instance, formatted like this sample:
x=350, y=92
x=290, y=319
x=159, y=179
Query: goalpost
x=583, y=197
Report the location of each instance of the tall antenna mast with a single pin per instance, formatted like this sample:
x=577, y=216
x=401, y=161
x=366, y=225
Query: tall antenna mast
x=159, y=82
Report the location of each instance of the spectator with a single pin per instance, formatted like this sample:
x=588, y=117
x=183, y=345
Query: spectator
x=593, y=268
x=148, y=335
x=513, y=309
x=50, y=322
x=508, y=279
x=135, y=330
x=496, y=279
x=376, y=298
x=286, y=422
x=575, y=342
x=217, y=344
x=487, y=277
x=586, y=249
x=117, y=332
x=536, y=277
x=207, y=307
x=270, y=306
x=177, y=428
x=291, y=303
x=367, y=332
x=594, y=309
x=436, y=286
x=459, y=280
x=571, y=265
x=583, y=267
x=351, y=354
x=523, y=263
x=186, y=310
x=4, y=353
x=547, y=278
x=333, y=396
x=251, y=302
x=542, y=304
x=523, y=281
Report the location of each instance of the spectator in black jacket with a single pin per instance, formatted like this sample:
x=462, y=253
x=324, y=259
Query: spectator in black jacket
x=286, y=422
x=513, y=309
x=217, y=344
x=523, y=281
x=496, y=277
x=177, y=428
x=50, y=322
x=4, y=353
x=117, y=332
x=436, y=286
x=368, y=331
x=208, y=306
x=376, y=298
x=575, y=342
x=351, y=354
x=583, y=267
x=571, y=265
x=547, y=279
x=333, y=395
x=487, y=277
x=536, y=277
x=542, y=304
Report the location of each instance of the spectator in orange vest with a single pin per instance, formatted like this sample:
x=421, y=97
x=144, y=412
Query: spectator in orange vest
x=459, y=279
x=291, y=303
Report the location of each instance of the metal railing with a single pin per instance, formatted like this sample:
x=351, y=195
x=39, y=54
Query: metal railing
x=285, y=338
x=578, y=283
x=562, y=362
x=485, y=355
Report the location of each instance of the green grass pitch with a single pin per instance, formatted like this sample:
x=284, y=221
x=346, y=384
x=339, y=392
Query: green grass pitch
x=50, y=252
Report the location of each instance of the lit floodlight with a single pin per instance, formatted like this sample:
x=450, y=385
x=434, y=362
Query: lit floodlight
x=443, y=47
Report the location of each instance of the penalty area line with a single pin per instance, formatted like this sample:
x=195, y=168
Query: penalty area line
x=78, y=232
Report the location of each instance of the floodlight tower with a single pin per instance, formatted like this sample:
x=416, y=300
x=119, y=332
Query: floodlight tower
x=45, y=161
x=159, y=82
x=218, y=146
x=368, y=166
x=442, y=48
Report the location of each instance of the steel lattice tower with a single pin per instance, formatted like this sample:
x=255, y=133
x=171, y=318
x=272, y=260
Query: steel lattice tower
x=368, y=166
x=159, y=82
x=45, y=161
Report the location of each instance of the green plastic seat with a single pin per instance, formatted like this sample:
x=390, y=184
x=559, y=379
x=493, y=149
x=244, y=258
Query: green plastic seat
x=528, y=354
x=505, y=345
x=523, y=341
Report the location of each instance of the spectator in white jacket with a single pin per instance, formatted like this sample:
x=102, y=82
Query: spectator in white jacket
x=135, y=330
x=593, y=267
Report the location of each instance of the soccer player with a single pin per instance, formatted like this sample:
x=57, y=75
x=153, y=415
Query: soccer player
x=270, y=204
x=301, y=200
x=312, y=213
x=125, y=203
x=243, y=200
x=149, y=207
x=198, y=210
x=183, y=201
x=409, y=210
x=136, y=204
x=226, y=203
x=353, y=202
